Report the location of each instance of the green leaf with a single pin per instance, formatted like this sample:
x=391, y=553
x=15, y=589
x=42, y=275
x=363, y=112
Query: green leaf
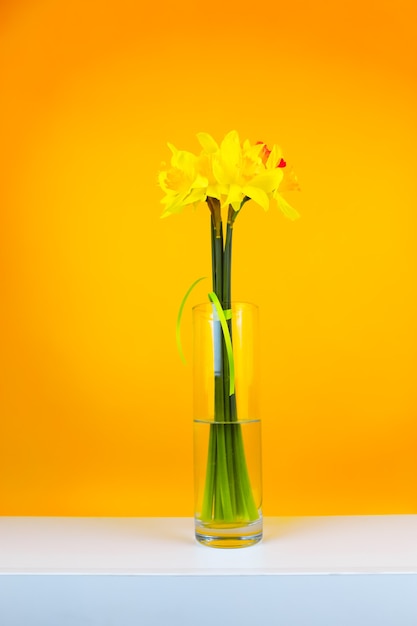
x=179, y=317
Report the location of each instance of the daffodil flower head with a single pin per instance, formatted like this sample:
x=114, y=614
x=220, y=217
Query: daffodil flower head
x=235, y=168
x=286, y=179
x=183, y=184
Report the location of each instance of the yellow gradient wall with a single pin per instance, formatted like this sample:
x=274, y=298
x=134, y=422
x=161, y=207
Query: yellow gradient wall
x=95, y=405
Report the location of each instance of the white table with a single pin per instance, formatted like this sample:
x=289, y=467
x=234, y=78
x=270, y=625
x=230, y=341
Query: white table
x=329, y=571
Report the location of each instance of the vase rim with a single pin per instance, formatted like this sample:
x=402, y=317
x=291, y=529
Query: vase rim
x=240, y=304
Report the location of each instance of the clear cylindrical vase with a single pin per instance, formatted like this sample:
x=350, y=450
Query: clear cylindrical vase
x=227, y=427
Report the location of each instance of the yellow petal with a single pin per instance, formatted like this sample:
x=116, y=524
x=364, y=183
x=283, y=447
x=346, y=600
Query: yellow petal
x=274, y=157
x=290, y=181
x=175, y=204
x=235, y=195
x=213, y=191
x=172, y=206
x=207, y=143
x=199, y=182
x=185, y=161
x=219, y=172
x=162, y=177
x=172, y=148
x=268, y=180
x=231, y=155
x=258, y=195
x=286, y=208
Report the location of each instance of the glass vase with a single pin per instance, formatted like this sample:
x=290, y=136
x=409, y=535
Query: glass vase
x=227, y=427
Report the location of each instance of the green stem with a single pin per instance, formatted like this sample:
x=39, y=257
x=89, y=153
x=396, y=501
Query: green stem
x=230, y=401
x=247, y=507
x=217, y=277
x=219, y=476
x=209, y=489
x=228, y=494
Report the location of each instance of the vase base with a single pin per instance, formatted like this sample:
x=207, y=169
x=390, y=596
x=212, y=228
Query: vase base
x=220, y=535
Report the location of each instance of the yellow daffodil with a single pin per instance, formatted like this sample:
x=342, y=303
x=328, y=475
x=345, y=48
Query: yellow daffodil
x=286, y=179
x=239, y=172
x=183, y=184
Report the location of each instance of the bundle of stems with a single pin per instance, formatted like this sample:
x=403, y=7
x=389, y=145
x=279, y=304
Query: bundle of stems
x=228, y=496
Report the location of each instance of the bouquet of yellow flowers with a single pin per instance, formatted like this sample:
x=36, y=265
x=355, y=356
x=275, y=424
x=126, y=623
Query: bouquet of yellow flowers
x=226, y=177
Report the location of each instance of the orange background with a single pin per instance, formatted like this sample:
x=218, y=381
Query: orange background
x=95, y=406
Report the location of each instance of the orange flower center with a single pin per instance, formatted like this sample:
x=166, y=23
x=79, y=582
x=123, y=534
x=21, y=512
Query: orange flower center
x=265, y=152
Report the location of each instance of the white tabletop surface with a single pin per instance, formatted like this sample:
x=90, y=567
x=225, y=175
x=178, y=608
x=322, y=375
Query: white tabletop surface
x=166, y=546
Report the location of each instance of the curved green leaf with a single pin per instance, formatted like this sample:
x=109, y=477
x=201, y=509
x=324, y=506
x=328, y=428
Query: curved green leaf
x=181, y=309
